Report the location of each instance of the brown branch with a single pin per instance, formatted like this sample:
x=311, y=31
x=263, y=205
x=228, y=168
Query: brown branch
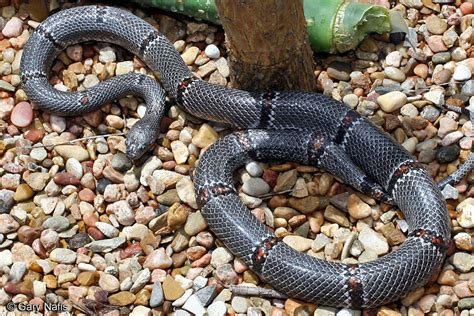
x=256, y=291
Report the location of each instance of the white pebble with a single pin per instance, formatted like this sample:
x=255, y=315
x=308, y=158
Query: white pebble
x=38, y=153
x=107, y=55
x=254, y=169
x=462, y=73
x=212, y=51
x=141, y=110
x=58, y=123
x=74, y=167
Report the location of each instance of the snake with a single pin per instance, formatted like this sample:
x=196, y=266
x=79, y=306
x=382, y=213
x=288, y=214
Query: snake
x=304, y=127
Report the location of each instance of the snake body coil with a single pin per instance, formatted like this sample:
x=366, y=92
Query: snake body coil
x=307, y=128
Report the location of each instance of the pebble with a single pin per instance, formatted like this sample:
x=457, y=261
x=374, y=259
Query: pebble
x=194, y=305
x=447, y=154
x=468, y=88
x=254, y=169
x=106, y=55
x=72, y=151
x=195, y=223
x=74, y=52
x=462, y=73
x=255, y=187
x=5, y=86
x=189, y=55
x=466, y=303
x=394, y=59
x=339, y=71
x=205, y=136
x=298, y=243
x=441, y=58
x=123, y=298
x=107, y=229
x=465, y=215
x=58, y=123
x=168, y=178
x=74, y=167
x=325, y=311
x=392, y=101
x=13, y=28
x=463, y=261
x=158, y=259
x=90, y=81
x=394, y=74
x=436, y=44
x=56, y=223
x=38, y=153
x=212, y=51
x=221, y=256
x=7, y=198
x=217, y=308
x=239, y=304
x=185, y=190
x=373, y=241
x=124, y=67
x=435, y=25
x=63, y=255
x=157, y=297
x=172, y=290
x=105, y=245
x=141, y=310
x=123, y=212
x=22, y=114
x=120, y=162
x=357, y=208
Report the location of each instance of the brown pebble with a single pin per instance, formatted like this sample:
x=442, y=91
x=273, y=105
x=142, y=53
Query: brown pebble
x=66, y=178
x=27, y=235
x=95, y=233
x=202, y=262
x=34, y=135
x=179, y=259
x=88, y=278
x=112, y=174
x=86, y=195
x=277, y=201
x=448, y=277
x=131, y=250
x=270, y=176
x=196, y=252
x=90, y=218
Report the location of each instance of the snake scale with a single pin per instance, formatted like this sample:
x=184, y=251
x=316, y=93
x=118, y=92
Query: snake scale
x=307, y=128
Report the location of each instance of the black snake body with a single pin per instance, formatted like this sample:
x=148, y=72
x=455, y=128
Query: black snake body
x=307, y=128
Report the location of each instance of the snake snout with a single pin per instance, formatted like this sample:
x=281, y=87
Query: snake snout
x=139, y=140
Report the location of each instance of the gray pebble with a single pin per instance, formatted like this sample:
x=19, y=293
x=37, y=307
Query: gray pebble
x=255, y=187
x=441, y=58
x=157, y=298
x=6, y=201
x=106, y=245
x=79, y=240
x=448, y=154
x=206, y=295
x=121, y=163
x=468, y=88
x=254, y=169
x=56, y=223
x=17, y=271
x=430, y=113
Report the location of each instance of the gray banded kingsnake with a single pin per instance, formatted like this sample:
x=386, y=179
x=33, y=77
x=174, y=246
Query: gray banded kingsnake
x=307, y=128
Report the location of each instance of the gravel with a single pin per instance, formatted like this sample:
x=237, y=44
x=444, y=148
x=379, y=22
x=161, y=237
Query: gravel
x=85, y=219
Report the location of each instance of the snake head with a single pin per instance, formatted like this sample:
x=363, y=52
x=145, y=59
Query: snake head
x=139, y=139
